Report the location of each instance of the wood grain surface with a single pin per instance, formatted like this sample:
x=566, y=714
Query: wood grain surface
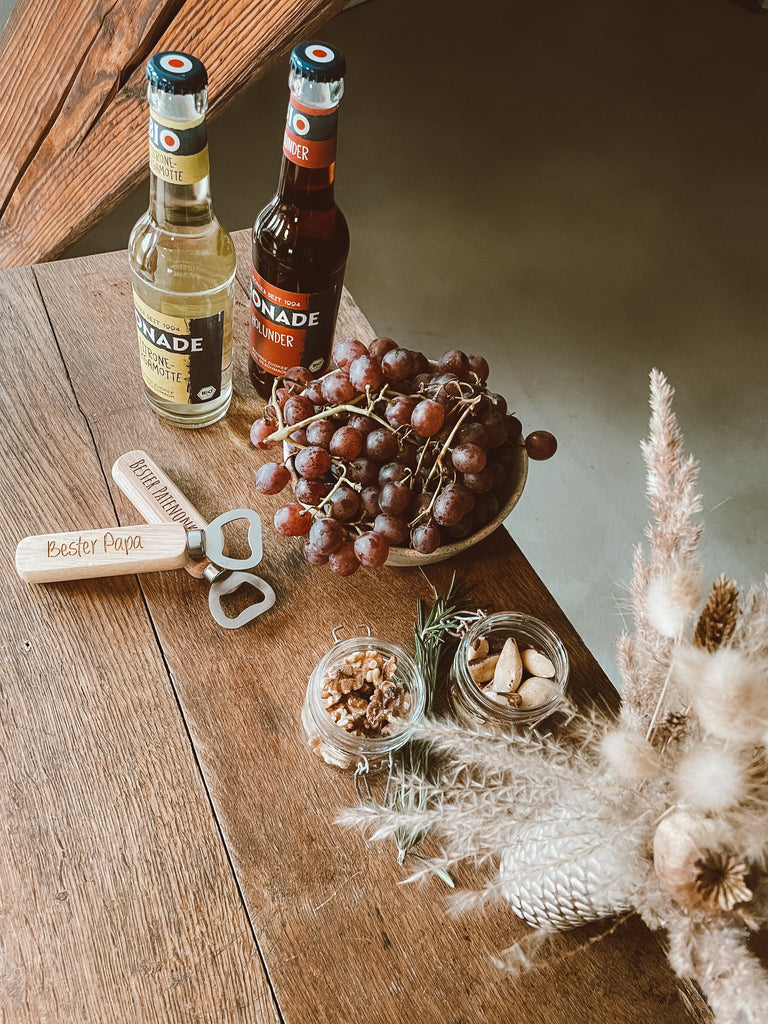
x=154, y=766
x=74, y=123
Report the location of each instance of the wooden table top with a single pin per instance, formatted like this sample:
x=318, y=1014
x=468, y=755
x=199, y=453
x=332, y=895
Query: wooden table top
x=168, y=851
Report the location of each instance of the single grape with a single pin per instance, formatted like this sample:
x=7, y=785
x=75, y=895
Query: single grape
x=313, y=557
x=397, y=364
x=380, y=346
x=314, y=392
x=346, y=443
x=260, y=431
x=271, y=478
x=454, y=361
x=425, y=538
x=313, y=462
x=495, y=425
x=427, y=417
x=514, y=429
x=310, y=492
x=326, y=535
x=421, y=503
x=337, y=388
x=343, y=561
x=371, y=549
x=297, y=408
x=394, y=529
x=394, y=498
x=478, y=483
x=399, y=410
x=297, y=378
x=365, y=372
x=498, y=402
x=344, y=503
x=449, y=506
x=420, y=364
x=320, y=432
x=393, y=471
x=369, y=499
x=346, y=350
x=381, y=444
x=468, y=458
x=362, y=471
x=479, y=366
x=361, y=422
x=292, y=520
x=473, y=432
x=540, y=445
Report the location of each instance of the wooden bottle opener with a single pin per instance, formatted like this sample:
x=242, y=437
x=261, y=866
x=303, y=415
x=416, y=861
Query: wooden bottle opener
x=158, y=499
x=161, y=544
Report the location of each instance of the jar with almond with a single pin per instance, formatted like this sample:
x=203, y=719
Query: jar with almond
x=362, y=700
x=509, y=669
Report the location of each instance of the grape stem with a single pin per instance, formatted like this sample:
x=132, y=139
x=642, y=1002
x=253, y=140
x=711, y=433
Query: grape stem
x=470, y=404
x=286, y=431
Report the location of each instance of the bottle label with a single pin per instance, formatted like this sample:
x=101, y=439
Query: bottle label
x=180, y=357
x=290, y=328
x=310, y=135
x=178, y=153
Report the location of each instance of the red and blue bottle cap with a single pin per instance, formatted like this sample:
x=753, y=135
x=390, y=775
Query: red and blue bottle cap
x=176, y=72
x=318, y=62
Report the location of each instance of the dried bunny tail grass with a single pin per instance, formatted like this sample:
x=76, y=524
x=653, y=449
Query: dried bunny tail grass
x=711, y=778
x=717, y=959
x=717, y=621
x=629, y=754
x=729, y=693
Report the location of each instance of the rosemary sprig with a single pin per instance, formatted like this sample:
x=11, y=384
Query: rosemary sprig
x=436, y=632
x=437, y=629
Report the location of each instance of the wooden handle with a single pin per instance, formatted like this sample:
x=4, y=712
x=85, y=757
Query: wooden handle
x=157, y=498
x=82, y=555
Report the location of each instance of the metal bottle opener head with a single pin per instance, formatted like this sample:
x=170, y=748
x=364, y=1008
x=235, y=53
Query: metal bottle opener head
x=226, y=575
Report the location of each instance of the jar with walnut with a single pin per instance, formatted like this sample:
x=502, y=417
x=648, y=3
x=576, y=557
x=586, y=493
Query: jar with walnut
x=362, y=700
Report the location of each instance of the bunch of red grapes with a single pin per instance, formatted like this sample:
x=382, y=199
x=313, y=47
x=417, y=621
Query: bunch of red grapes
x=388, y=449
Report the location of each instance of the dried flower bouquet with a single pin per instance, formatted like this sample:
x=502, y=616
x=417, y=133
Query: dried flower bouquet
x=661, y=812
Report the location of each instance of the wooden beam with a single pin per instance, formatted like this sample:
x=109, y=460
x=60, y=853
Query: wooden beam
x=73, y=120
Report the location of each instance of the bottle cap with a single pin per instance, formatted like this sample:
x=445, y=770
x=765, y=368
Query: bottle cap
x=176, y=72
x=318, y=62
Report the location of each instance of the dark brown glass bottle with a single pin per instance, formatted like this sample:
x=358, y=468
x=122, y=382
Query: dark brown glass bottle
x=301, y=238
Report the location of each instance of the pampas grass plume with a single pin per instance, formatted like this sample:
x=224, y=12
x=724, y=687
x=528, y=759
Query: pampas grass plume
x=710, y=779
x=729, y=691
x=630, y=755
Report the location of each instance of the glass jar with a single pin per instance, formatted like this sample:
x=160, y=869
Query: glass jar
x=471, y=705
x=340, y=747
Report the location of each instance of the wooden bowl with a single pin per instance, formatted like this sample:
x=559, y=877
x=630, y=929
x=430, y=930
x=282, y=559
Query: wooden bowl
x=517, y=477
